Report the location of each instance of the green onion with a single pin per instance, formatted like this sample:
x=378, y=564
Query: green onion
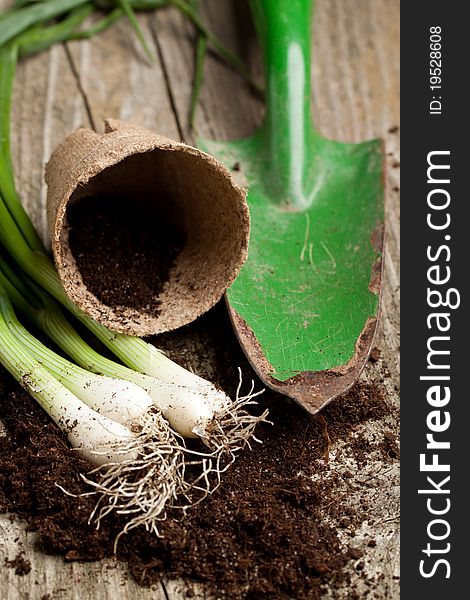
x=138, y=461
x=115, y=398
x=117, y=416
x=69, y=413
x=193, y=406
x=95, y=435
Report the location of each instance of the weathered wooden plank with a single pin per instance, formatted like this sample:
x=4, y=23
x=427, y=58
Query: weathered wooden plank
x=46, y=106
x=103, y=580
x=119, y=81
x=227, y=109
x=355, y=96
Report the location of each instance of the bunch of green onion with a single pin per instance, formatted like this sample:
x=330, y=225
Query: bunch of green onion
x=129, y=422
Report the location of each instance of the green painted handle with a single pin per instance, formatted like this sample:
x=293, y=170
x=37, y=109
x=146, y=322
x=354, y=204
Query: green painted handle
x=288, y=137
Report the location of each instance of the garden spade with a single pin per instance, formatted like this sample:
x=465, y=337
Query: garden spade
x=306, y=302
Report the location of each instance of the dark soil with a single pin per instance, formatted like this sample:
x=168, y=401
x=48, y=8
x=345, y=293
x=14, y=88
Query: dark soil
x=374, y=355
x=389, y=447
x=21, y=565
x=269, y=532
x=124, y=254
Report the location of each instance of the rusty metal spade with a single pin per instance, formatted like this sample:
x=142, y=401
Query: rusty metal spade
x=305, y=304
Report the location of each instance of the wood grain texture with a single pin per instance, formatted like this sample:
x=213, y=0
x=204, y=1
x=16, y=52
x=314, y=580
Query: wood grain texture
x=355, y=97
x=118, y=81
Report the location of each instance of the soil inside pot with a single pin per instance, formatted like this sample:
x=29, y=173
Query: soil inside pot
x=124, y=251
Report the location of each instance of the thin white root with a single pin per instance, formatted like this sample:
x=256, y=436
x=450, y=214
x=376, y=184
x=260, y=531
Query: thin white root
x=231, y=429
x=158, y=472
x=141, y=487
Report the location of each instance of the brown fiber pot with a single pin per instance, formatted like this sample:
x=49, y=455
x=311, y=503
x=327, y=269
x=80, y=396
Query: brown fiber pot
x=180, y=180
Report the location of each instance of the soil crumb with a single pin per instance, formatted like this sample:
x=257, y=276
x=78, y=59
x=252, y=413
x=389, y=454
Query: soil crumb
x=124, y=255
x=374, y=355
x=21, y=565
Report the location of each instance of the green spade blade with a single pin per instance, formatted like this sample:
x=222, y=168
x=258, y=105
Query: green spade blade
x=305, y=304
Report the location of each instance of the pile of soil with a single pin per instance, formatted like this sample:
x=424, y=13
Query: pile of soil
x=268, y=532
x=124, y=253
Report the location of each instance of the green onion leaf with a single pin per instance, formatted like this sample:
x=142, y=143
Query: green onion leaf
x=42, y=37
x=17, y=21
x=99, y=26
x=128, y=11
x=201, y=51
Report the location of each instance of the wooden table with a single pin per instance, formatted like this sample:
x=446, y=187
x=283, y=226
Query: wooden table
x=355, y=97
